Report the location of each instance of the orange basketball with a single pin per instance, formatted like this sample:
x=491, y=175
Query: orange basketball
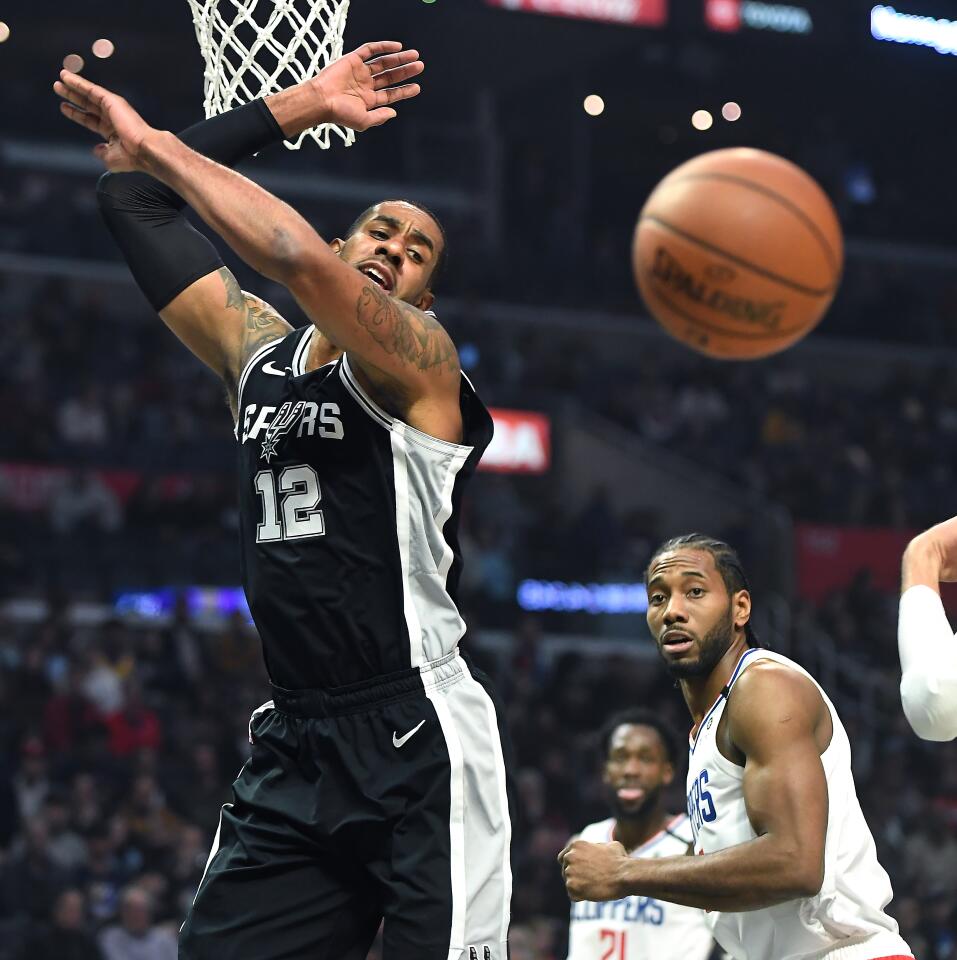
x=738, y=253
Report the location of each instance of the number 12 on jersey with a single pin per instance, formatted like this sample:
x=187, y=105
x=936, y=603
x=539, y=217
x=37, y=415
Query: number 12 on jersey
x=291, y=507
x=614, y=941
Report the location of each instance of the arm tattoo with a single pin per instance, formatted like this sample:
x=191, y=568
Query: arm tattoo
x=407, y=333
x=261, y=324
x=234, y=295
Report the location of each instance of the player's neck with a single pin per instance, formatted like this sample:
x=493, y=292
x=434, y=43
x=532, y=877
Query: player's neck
x=700, y=693
x=321, y=351
x=636, y=832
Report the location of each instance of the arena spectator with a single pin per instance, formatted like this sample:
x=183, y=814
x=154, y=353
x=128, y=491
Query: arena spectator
x=135, y=937
x=32, y=782
x=84, y=503
x=134, y=726
x=81, y=419
x=66, y=936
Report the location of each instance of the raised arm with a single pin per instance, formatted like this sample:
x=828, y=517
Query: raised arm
x=179, y=271
x=177, y=268
x=927, y=645
x=780, y=723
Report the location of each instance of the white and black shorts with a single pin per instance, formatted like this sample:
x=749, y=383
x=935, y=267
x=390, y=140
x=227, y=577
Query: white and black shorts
x=383, y=800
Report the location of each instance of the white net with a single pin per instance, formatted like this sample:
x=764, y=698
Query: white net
x=254, y=48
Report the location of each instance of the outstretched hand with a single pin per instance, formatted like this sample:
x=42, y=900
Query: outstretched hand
x=108, y=115
x=358, y=89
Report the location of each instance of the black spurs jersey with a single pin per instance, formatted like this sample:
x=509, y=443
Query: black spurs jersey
x=348, y=520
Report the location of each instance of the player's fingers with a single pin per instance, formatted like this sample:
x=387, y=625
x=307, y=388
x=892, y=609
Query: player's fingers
x=563, y=854
x=392, y=60
x=376, y=48
x=89, y=120
x=67, y=101
x=395, y=94
x=389, y=78
x=75, y=83
x=62, y=90
x=89, y=91
x=73, y=96
x=382, y=115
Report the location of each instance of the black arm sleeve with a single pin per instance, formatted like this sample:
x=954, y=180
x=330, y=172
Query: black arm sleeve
x=165, y=253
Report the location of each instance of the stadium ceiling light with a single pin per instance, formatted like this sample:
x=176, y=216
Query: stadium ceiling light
x=731, y=111
x=702, y=120
x=594, y=105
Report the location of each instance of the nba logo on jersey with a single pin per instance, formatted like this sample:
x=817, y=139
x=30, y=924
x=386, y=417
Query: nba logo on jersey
x=486, y=953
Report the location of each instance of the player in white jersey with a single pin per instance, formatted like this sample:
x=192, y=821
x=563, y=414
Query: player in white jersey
x=639, y=753
x=787, y=866
x=928, y=647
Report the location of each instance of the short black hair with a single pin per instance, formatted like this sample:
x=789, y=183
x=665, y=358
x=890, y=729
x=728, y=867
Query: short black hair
x=440, y=261
x=637, y=717
x=726, y=561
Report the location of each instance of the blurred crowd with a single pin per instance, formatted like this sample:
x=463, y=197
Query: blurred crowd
x=118, y=743
x=829, y=451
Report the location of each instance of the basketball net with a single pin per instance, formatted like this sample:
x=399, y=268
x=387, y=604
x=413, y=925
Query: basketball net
x=254, y=48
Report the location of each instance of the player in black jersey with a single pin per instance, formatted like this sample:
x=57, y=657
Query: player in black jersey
x=376, y=785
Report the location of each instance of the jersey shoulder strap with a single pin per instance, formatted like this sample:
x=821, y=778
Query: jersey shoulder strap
x=276, y=357
x=680, y=829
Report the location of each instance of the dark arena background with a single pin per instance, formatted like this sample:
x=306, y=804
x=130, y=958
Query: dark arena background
x=128, y=666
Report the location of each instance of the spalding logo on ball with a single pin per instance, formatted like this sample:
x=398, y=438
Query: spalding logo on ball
x=738, y=253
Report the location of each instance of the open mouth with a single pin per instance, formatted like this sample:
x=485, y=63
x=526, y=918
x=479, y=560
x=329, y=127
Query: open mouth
x=676, y=642
x=378, y=275
x=630, y=794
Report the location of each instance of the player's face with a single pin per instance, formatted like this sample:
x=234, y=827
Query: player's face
x=636, y=770
x=397, y=247
x=690, y=614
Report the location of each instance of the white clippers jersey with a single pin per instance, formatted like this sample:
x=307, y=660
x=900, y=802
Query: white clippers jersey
x=639, y=928
x=846, y=920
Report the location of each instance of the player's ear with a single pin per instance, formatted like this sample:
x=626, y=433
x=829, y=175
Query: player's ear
x=426, y=300
x=668, y=774
x=741, y=606
x=337, y=246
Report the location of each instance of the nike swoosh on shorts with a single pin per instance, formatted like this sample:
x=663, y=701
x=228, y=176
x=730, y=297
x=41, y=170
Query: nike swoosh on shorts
x=399, y=742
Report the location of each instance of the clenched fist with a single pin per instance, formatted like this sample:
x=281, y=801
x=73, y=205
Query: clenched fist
x=592, y=871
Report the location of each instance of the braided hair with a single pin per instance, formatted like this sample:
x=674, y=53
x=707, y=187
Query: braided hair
x=726, y=561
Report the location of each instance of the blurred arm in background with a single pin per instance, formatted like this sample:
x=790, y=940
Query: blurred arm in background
x=927, y=645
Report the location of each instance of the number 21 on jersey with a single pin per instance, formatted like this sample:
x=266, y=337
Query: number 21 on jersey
x=614, y=943
x=290, y=504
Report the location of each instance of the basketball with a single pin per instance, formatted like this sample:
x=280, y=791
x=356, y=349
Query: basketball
x=738, y=253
